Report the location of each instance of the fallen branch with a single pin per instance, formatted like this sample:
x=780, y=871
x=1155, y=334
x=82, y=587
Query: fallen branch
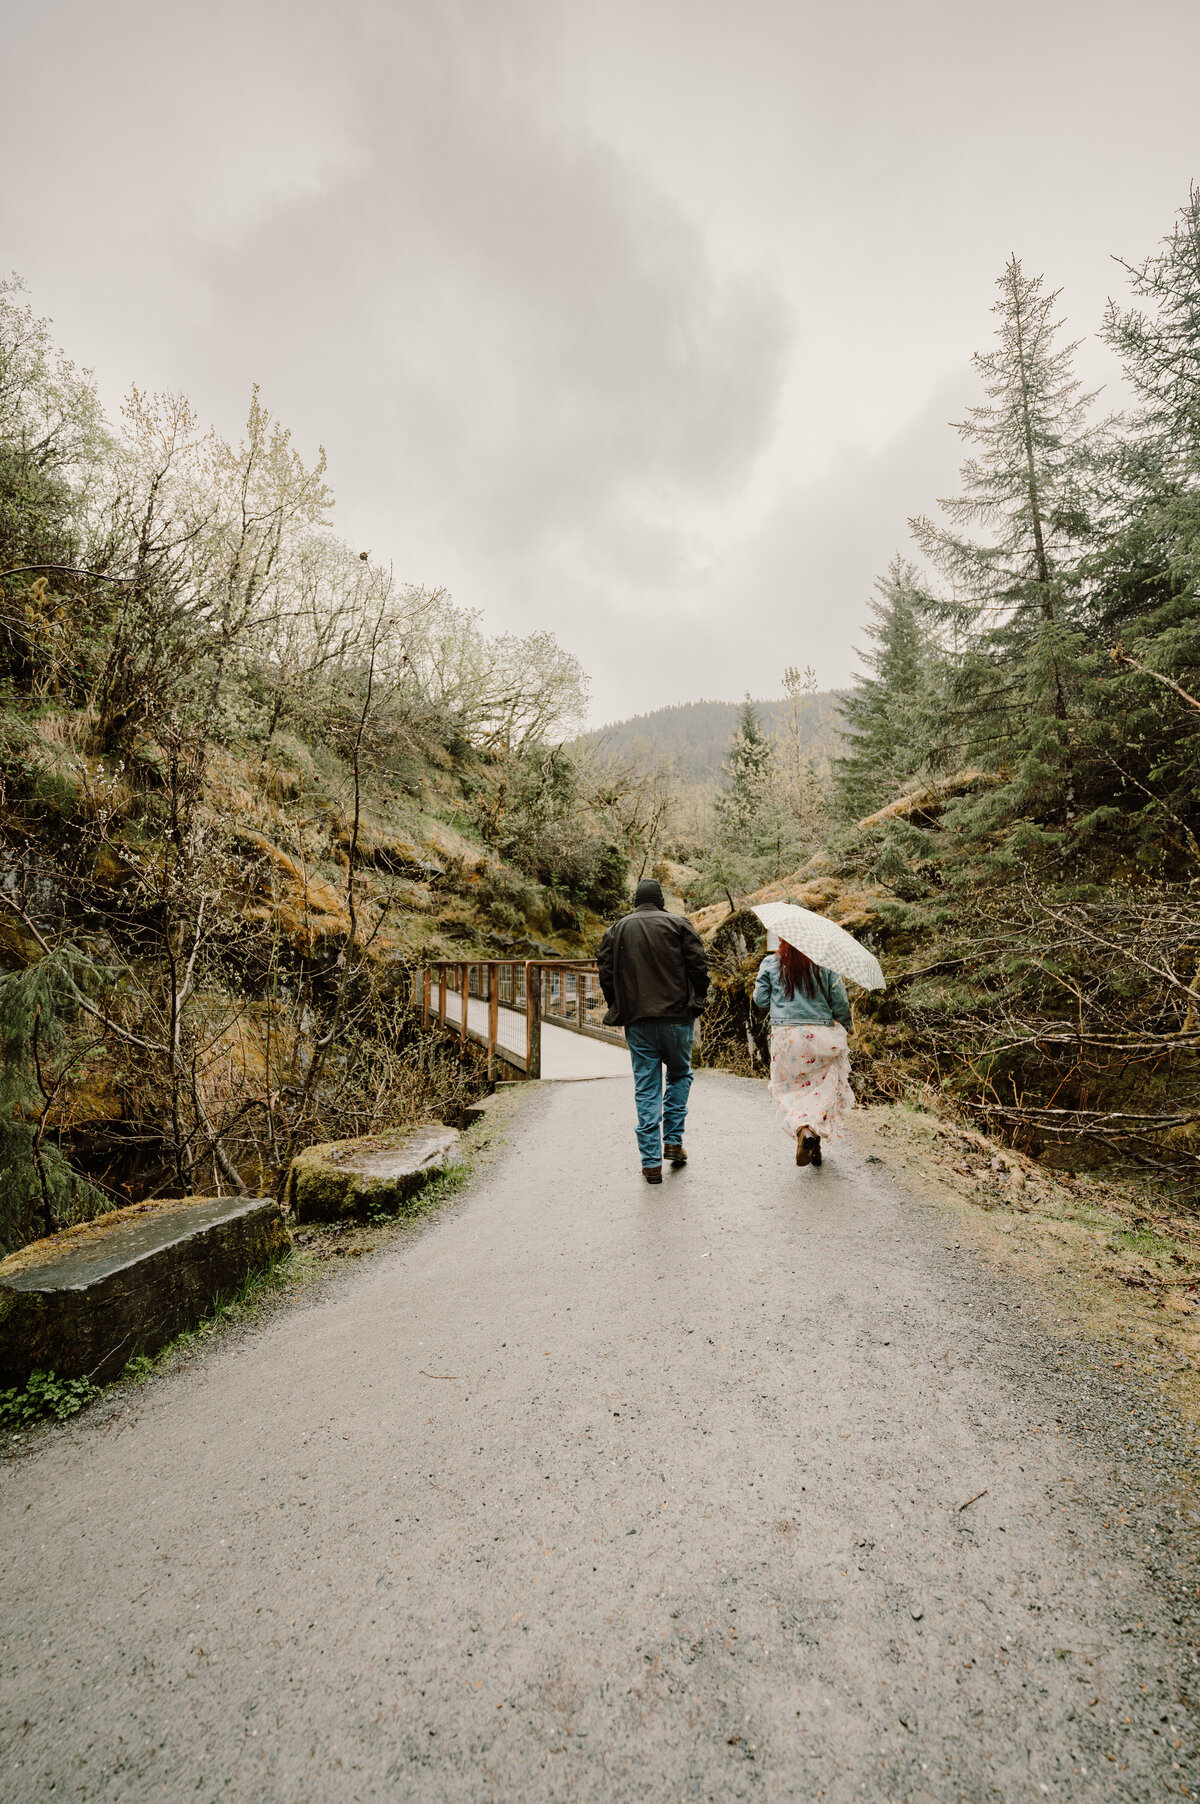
x=1120, y=656
x=65, y=570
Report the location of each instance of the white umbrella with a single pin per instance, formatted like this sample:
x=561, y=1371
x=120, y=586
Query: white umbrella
x=824, y=942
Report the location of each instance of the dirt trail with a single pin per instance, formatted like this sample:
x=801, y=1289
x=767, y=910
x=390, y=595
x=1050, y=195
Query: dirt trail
x=594, y=1491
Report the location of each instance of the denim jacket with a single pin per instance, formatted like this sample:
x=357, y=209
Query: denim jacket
x=830, y=1004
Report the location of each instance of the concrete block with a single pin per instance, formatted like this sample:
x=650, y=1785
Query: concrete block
x=83, y=1302
x=347, y=1177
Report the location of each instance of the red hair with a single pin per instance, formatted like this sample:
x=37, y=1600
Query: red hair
x=797, y=971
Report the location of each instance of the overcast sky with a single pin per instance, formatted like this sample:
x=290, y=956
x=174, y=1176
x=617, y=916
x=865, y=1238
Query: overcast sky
x=641, y=320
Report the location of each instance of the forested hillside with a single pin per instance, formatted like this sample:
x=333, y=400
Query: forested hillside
x=246, y=777
x=1015, y=815
x=695, y=736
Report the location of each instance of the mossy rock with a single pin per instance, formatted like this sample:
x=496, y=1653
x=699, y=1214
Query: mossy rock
x=83, y=1302
x=738, y=937
x=381, y=1171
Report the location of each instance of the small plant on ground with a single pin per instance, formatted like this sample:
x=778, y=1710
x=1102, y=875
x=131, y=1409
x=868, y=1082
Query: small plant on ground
x=44, y=1394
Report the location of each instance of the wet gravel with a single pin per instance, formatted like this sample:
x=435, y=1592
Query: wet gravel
x=756, y=1486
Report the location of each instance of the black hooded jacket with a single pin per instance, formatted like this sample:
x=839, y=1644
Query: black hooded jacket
x=653, y=967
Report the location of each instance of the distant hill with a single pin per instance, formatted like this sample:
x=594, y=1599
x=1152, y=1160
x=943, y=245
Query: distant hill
x=697, y=734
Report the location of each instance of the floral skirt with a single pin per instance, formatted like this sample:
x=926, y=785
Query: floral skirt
x=810, y=1078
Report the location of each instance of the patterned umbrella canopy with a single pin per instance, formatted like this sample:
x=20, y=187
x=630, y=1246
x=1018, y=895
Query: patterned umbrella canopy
x=824, y=941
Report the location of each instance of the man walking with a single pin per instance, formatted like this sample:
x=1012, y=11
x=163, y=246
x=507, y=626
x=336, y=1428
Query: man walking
x=654, y=974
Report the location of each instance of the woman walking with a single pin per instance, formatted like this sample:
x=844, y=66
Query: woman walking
x=810, y=1062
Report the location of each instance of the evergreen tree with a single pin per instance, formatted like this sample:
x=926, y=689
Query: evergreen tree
x=1013, y=605
x=741, y=802
x=883, y=711
x=1143, y=613
x=1161, y=351
x=754, y=836
x=39, y=1191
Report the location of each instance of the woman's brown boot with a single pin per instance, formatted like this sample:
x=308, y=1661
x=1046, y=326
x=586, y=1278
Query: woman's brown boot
x=803, y=1150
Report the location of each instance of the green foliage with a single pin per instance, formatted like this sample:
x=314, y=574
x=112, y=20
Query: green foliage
x=1159, y=345
x=44, y=1395
x=889, y=706
x=1012, y=616
x=537, y=814
x=1038, y=699
x=505, y=901
x=183, y=581
x=1023, y=484
x=755, y=835
x=1069, y=567
x=39, y=1190
x=748, y=771
x=201, y=690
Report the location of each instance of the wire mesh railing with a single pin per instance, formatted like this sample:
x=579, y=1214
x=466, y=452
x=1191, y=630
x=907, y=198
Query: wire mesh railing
x=502, y=1004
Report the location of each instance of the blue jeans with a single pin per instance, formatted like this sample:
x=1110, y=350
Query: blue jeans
x=653, y=1045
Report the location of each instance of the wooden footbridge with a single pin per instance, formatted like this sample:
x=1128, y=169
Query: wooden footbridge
x=537, y=1018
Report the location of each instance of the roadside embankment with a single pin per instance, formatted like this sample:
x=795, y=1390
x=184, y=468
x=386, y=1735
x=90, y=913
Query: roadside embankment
x=1112, y=1261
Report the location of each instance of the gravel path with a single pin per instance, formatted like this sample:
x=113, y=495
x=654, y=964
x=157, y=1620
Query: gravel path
x=590, y=1491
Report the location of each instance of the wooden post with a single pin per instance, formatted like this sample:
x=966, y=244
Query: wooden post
x=426, y=994
x=465, y=978
x=581, y=983
x=442, y=994
x=533, y=1020
x=493, y=972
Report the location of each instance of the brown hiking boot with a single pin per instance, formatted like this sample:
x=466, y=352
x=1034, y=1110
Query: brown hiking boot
x=676, y=1155
x=803, y=1150
x=652, y=1174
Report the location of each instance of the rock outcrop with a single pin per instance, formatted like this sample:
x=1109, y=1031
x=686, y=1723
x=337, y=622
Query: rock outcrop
x=85, y=1301
x=381, y=1171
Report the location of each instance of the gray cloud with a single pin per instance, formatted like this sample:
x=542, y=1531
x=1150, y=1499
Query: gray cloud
x=509, y=339
x=641, y=321
x=793, y=589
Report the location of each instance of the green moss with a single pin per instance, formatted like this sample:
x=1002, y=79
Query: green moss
x=369, y=1176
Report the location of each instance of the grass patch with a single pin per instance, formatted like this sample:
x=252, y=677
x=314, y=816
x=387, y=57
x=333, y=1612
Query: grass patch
x=1142, y=1239
x=255, y=1290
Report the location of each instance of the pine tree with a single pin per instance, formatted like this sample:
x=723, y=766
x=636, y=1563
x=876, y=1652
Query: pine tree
x=882, y=712
x=1013, y=603
x=740, y=803
x=1161, y=350
x=39, y=1190
x=1143, y=614
x=754, y=836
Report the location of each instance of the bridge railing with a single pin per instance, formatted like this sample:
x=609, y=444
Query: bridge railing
x=502, y=1004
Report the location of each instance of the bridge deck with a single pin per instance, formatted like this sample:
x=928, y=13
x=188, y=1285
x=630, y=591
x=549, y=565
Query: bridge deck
x=564, y=1054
